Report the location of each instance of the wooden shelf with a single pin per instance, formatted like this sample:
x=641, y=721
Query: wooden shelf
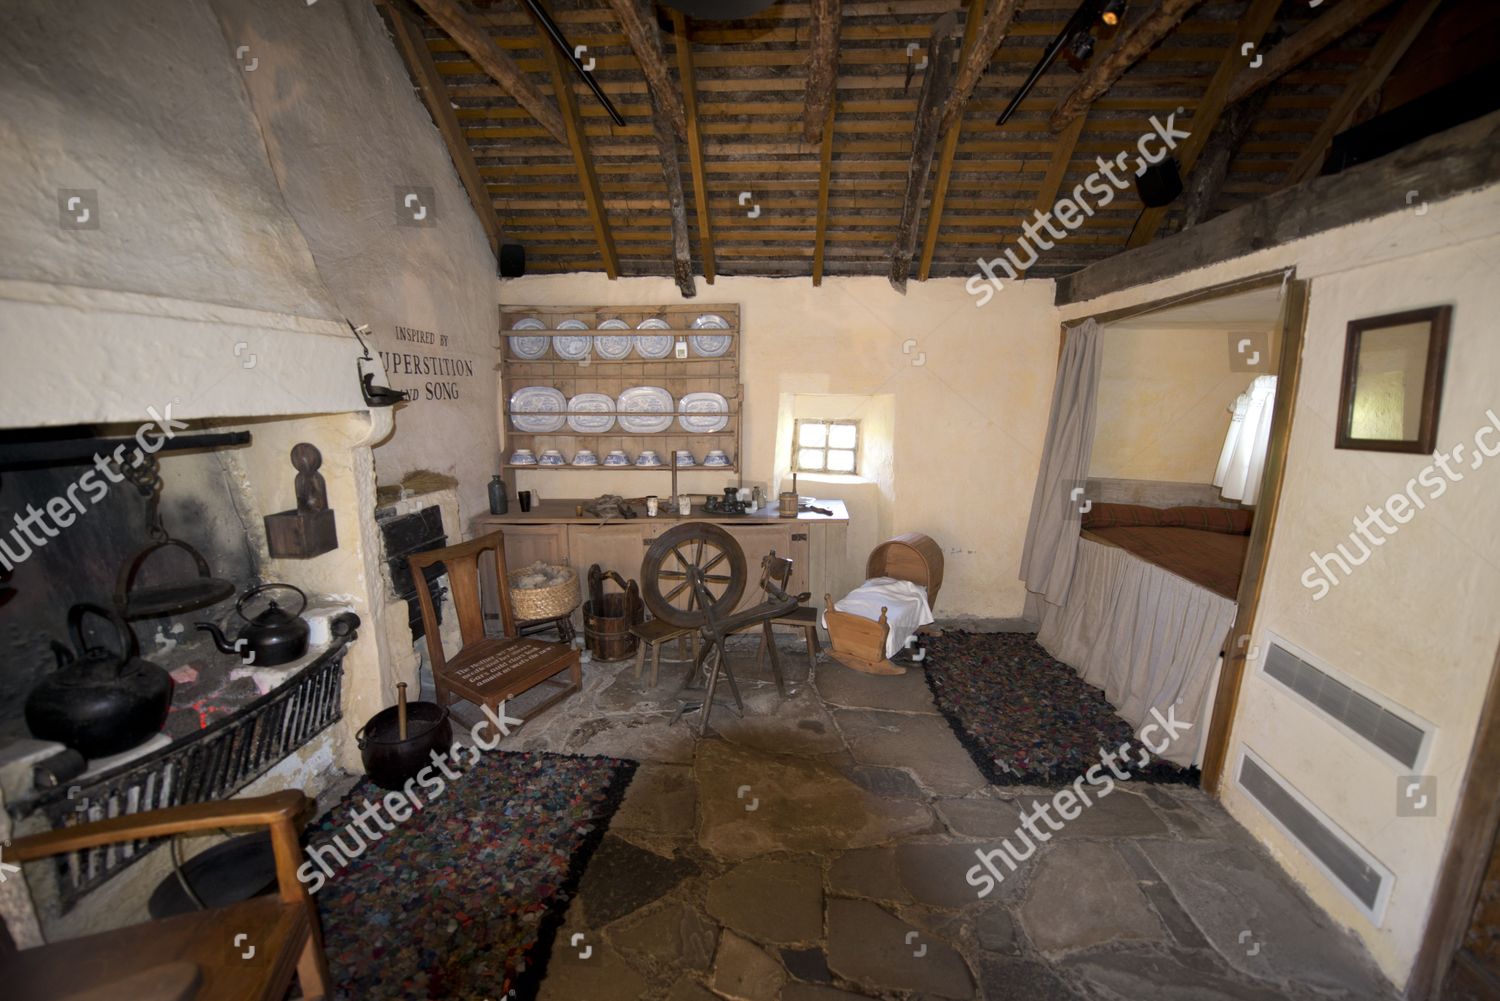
x=633, y=332
x=632, y=468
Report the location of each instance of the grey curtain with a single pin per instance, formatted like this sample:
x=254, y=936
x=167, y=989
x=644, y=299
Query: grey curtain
x=1052, y=533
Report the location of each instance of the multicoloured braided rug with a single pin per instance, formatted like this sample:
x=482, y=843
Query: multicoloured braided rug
x=1025, y=718
x=462, y=898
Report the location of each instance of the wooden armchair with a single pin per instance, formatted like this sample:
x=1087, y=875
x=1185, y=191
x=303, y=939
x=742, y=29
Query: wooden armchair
x=487, y=670
x=204, y=955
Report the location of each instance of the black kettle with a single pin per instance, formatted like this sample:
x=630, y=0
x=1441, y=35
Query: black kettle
x=275, y=636
x=97, y=702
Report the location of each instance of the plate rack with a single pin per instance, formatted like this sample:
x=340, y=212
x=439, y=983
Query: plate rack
x=592, y=374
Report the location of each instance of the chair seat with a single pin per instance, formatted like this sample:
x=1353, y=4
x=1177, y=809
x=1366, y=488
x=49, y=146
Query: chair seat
x=659, y=630
x=205, y=939
x=803, y=615
x=497, y=668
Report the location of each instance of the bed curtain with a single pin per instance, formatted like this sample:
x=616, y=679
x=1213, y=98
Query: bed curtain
x=1147, y=637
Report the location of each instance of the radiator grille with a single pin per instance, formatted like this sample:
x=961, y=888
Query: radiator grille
x=1393, y=734
x=1320, y=839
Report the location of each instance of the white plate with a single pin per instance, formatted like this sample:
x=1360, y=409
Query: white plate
x=529, y=348
x=590, y=413
x=572, y=325
x=710, y=321
x=537, y=410
x=653, y=345
x=655, y=323
x=573, y=347
x=703, y=413
x=645, y=409
x=709, y=345
x=613, y=347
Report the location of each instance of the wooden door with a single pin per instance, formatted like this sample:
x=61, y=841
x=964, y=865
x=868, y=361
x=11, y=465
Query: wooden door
x=759, y=541
x=1475, y=975
x=619, y=547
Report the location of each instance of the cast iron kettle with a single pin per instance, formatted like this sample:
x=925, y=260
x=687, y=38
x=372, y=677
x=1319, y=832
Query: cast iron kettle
x=96, y=701
x=275, y=636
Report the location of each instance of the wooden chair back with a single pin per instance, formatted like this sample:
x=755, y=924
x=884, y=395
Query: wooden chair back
x=462, y=563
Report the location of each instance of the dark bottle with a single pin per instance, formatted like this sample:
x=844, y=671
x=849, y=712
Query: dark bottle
x=499, y=503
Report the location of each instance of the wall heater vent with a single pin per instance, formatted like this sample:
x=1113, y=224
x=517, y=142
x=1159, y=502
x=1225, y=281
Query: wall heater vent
x=1395, y=735
x=1363, y=878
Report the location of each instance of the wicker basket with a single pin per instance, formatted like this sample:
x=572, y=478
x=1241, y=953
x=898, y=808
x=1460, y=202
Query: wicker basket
x=544, y=602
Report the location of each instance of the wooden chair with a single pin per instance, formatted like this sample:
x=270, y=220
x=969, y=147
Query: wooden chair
x=653, y=635
x=486, y=670
x=803, y=617
x=201, y=955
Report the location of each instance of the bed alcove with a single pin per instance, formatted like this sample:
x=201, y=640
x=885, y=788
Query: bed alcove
x=1280, y=300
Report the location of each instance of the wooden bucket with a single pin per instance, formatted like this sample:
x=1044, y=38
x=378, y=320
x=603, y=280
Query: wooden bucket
x=607, y=619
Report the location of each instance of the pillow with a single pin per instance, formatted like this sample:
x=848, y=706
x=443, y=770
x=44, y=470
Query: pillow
x=1228, y=520
x=1122, y=516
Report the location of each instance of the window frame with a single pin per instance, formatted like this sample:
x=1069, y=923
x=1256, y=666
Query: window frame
x=828, y=423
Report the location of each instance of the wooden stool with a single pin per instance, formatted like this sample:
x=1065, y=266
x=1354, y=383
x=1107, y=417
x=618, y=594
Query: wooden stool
x=805, y=618
x=652, y=635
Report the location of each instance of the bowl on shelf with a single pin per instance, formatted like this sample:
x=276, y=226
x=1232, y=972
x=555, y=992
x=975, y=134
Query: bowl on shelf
x=648, y=457
x=552, y=457
x=522, y=457
x=617, y=457
x=716, y=457
x=585, y=457
x=685, y=458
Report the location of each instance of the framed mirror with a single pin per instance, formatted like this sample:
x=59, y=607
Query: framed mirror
x=1393, y=381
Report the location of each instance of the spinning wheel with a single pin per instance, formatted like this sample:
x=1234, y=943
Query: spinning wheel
x=688, y=565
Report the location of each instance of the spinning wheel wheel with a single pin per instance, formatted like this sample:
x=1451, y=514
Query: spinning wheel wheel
x=688, y=563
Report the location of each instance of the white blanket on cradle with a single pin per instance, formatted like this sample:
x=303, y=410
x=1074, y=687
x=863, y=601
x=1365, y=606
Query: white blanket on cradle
x=905, y=605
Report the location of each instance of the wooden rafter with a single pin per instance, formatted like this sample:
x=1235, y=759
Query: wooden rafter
x=682, y=258
x=1365, y=81
x=1252, y=31
x=419, y=64
x=822, y=67
x=1057, y=167
x=1202, y=186
x=825, y=175
x=474, y=40
x=936, y=83
x=1103, y=74
x=950, y=148
x=685, y=74
x=979, y=49
x=583, y=163
x=638, y=22
x=1296, y=50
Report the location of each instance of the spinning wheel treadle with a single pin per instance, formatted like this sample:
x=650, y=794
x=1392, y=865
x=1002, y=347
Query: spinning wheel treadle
x=695, y=551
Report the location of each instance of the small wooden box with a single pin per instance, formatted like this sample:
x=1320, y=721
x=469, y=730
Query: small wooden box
x=301, y=535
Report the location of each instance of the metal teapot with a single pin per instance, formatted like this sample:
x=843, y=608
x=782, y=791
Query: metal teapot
x=273, y=637
x=96, y=701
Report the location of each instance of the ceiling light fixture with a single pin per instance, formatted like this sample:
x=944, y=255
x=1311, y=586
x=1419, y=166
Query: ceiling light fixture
x=1112, y=12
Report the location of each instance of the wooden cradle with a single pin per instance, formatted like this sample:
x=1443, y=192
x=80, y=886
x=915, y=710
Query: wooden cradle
x=858, y=642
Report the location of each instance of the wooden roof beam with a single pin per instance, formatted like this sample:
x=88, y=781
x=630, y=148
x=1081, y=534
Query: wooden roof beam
x=639, y=24
x=1104, y=73
x=937, y=83
x=1363, y=82
x=1203, y=185
x=1296, y=50
x=822, y=67
x=666, y=142
x=423, y=70
x=1253, y=27
x=979, y=49
x=588, y=181
x=825, y=173
x=684, y=44
x=950, y=148
x=474, y=40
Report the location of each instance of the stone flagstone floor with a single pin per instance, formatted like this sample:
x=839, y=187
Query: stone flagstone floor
x=816, y=851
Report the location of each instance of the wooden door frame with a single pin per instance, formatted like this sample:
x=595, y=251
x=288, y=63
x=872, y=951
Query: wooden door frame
x=1289, y=370
x=1471, y=841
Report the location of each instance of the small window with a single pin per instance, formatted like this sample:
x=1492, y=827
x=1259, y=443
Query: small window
x=826, y=447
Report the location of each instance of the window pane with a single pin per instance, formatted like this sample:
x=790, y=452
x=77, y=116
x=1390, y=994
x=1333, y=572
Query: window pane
x=810, y=458
x=840, y=461
x=812, y=434
x=842, y=435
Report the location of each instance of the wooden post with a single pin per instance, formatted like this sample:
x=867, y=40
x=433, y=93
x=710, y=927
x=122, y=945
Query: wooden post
x=1208, y=175
x=639, y=24
x=684, y=45
x=935, y=88
x=682, y=260
x=978, y=52
x=1155, y=26
x=951, y=133
x=1294, y=51
x=825, y=174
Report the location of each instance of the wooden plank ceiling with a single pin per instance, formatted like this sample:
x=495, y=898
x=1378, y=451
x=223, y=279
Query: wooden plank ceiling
x=749, y=79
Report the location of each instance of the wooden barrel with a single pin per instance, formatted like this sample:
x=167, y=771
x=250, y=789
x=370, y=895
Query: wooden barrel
x=606, y=624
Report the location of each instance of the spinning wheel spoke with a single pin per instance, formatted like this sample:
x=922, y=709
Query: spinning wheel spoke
x=681, y=562
x=716, y=576
x=714, y=562
x=671, y=575
x=676, y=591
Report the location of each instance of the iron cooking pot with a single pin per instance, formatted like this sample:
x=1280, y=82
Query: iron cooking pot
x=390, y=761
x=96, y=701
